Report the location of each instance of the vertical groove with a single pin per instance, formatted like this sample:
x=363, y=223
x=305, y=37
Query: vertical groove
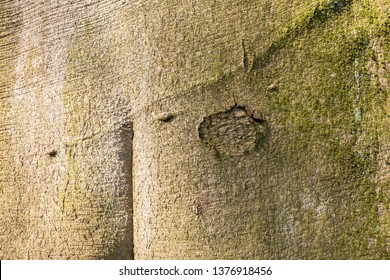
x=123, y=248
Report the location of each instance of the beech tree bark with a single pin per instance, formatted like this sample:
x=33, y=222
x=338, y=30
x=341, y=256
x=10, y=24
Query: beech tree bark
x=194, y=129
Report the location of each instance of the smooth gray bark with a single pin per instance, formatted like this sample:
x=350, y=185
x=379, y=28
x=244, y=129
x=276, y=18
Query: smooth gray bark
x=194, y=129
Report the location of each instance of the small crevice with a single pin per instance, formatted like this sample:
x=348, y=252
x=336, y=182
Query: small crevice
x=248, y=56
x=52, y=153
x=166, y=117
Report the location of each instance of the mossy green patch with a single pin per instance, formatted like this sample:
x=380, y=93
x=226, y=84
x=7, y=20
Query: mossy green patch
x=327, y=98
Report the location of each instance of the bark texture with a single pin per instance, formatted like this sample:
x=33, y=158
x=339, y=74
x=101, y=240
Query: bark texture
x=195, y=129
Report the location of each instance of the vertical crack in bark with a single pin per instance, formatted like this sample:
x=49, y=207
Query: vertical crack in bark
x=249, y=56
x=127, y=142
x=124, y=247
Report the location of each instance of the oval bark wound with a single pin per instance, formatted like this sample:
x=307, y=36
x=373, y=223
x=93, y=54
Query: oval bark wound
x=233, y=132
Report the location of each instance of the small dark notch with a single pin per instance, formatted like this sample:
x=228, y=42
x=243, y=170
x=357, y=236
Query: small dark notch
x=52, y=153
x=166, y=117
x=273, y=87
x=197, y=208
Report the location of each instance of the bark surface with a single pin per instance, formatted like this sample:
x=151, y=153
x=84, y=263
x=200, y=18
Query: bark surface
x=195, y=129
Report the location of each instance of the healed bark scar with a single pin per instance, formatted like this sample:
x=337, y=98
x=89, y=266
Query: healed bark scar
x=249, y=56
x=233, y=132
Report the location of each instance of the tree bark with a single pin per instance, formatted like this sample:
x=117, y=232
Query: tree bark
x=194, y=129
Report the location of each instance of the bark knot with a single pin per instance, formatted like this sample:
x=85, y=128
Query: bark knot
x=233, y=132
